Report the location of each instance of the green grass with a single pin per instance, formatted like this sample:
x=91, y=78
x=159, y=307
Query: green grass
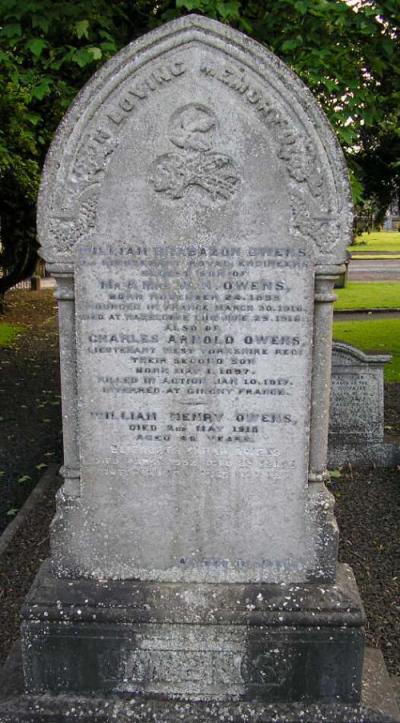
x=8, y=332
x=377, y=241
x=374, y=335
x=374, y=256
x=370, y=295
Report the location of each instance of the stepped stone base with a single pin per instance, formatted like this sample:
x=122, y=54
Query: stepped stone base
x=377, y=705
x=268, y=642
x=147, y=651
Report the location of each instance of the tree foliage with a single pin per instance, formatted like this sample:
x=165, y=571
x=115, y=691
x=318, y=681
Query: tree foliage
x=346, y=52
x=48, y=50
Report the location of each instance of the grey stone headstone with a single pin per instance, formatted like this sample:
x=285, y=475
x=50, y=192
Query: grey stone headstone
x=356, y=430
x=195, y=210
x=194, y=200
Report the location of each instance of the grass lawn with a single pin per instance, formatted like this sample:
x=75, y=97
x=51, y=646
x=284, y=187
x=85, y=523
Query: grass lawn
x=370, y=295
x=8, y=332
x=377, y=241
x=375, y=335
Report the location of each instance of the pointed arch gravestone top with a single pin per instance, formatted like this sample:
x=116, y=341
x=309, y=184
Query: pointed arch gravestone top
x=195, y=211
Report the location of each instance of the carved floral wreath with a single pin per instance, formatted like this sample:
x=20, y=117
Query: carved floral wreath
x=191, y=129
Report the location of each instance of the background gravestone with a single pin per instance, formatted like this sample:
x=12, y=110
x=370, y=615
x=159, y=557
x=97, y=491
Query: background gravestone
x=356, y=430
x=195, y=210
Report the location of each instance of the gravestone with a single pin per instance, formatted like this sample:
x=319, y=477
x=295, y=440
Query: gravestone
x=195, y=211
x=356, y=430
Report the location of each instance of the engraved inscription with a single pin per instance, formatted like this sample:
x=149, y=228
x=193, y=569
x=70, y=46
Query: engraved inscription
x=191, y=129
x=311, y=215
x=356, y=410
x=298, y=159
x=213, y=325
x=154, y=669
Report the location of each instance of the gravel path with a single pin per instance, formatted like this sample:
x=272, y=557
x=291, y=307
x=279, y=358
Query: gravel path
x=18, y=567
x=30, y=401
x=368, y=501
x=374, y=270
x=368, y=514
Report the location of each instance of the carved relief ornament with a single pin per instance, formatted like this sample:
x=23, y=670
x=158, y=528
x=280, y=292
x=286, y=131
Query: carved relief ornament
x=81, y=151
x=191, y=129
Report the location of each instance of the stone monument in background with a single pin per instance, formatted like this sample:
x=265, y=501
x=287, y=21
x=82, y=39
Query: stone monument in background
x=356, y=429
x=195, y=211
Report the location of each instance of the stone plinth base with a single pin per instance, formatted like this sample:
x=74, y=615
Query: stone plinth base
x=265, y=642
x=139, y=651
x=377, y=705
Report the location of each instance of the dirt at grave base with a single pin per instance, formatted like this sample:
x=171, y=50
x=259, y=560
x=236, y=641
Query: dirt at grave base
x=368, y=501
x=368, y=514
x=19, y=565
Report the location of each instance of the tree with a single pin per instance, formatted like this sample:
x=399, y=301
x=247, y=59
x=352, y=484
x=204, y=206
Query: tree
x=48, y=49
x=347, y=53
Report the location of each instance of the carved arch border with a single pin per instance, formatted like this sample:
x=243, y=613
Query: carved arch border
x=58, y=222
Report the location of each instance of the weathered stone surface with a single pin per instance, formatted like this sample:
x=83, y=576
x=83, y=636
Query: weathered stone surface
x=377, y=705
x=182, y=439
x=269, y=642
x=356, y=432
x=194, y=191
x=357, y=395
